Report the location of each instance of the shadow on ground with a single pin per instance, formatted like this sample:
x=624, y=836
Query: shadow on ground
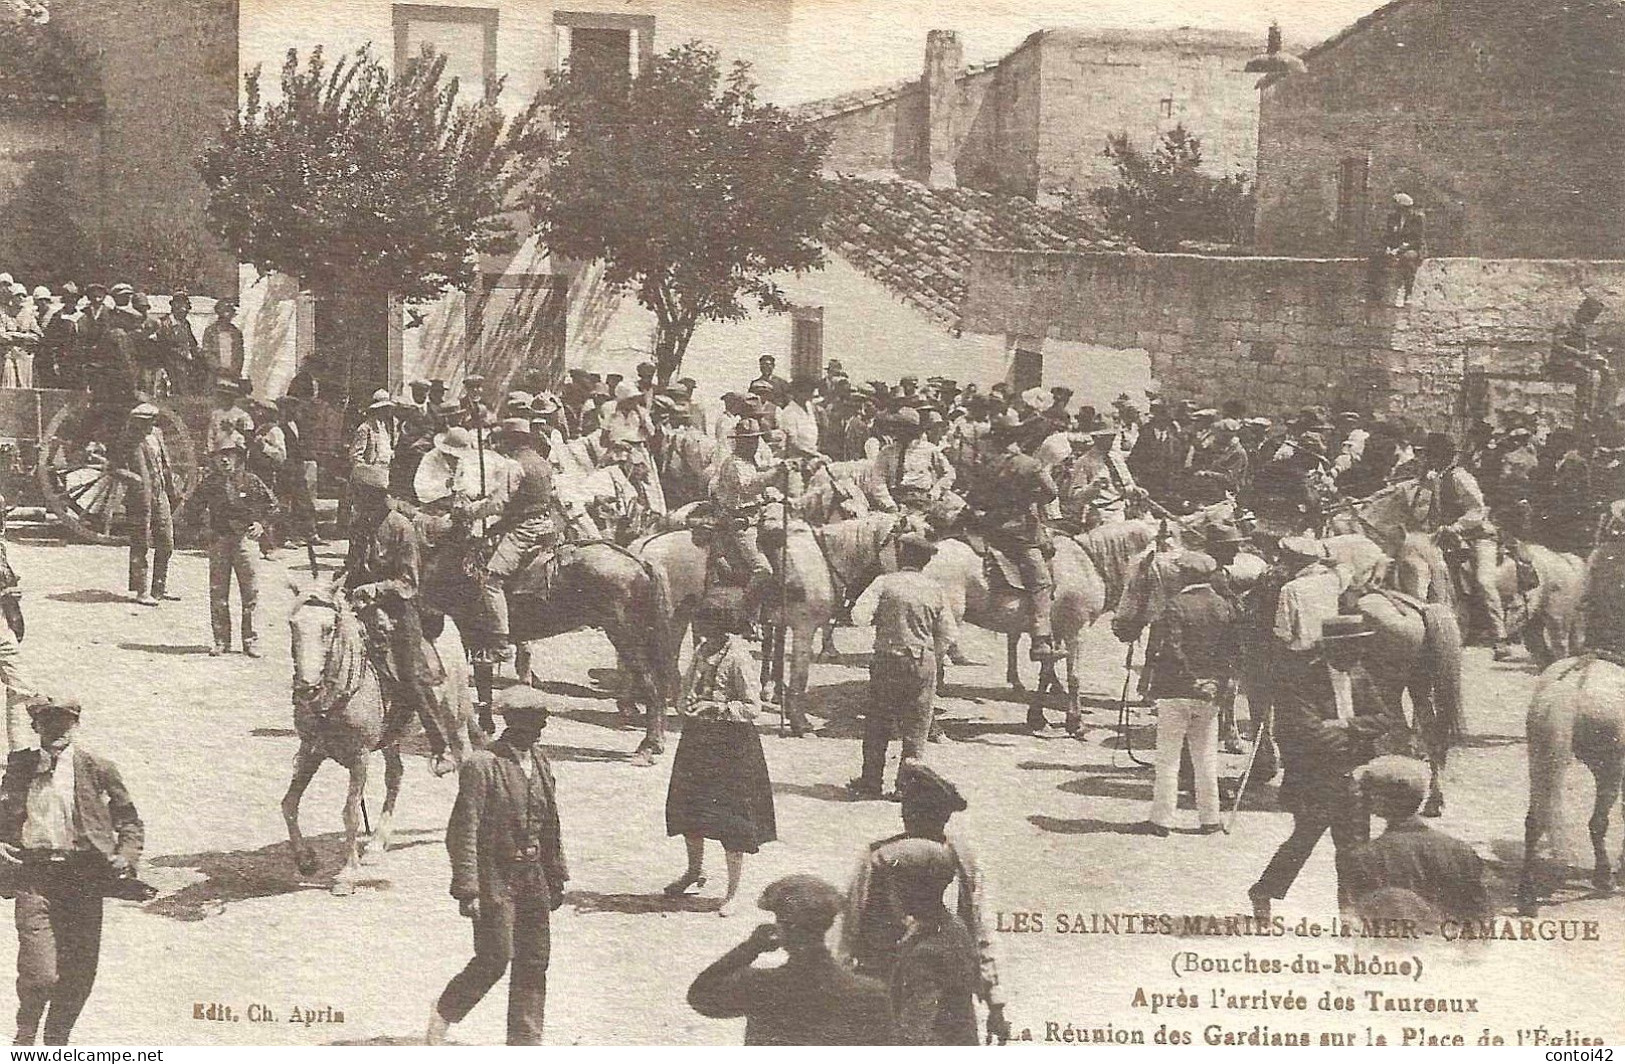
x=242, y=875
x=89, y=596
x=170, y=649
x=592, y=901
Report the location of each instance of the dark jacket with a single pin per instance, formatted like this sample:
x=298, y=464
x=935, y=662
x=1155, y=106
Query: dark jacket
x=1318, y=753
x=104, y=813
x=390, y=556
x=812, y=1002
x=232, y=504
x=499, y=813
x=1411, y=856
x=1195, y=639
x=932, y=986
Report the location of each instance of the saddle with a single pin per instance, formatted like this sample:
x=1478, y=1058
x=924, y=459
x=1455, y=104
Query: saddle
x=996, y=565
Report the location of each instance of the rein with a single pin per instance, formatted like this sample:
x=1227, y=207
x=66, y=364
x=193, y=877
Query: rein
x=330, y=695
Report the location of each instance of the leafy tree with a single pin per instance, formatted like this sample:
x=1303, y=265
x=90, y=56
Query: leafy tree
x=1164, y=198
x=364, y=183
x=691, y=193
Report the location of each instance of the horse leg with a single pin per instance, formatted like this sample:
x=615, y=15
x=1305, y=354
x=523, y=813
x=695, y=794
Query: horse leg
x=1528, y=895
x=1012, y=674
x=794, y=685
x=484, y=681
x=1546, y=770
x=394, y=769
x=626, y=697
x=827, y=651
x=650, y=679
x=1427, y=727
x=305, y=764
x=344, y=882
x=1074, y=708
x=1607, y=771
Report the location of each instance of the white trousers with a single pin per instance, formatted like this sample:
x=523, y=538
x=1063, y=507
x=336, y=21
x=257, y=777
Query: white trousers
x=1182, y=720
x=20, y=732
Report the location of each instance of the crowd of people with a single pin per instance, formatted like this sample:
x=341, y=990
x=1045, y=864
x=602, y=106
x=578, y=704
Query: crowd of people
x=914, y=952
x=107, y=336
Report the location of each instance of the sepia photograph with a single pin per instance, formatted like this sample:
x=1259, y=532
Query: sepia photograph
x=1091, y=523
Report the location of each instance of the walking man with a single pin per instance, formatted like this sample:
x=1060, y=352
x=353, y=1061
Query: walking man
x=153, y=495
x=913, y=629
x=1192, y=652
x=809, y=1000
x=1330, y=718
x=507, y=871
x=68, y=831
x=237, y=506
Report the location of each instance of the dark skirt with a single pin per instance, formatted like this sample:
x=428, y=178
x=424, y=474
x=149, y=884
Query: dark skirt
x=719, y=786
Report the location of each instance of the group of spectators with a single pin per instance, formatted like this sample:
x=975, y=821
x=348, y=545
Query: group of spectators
x=110, y=337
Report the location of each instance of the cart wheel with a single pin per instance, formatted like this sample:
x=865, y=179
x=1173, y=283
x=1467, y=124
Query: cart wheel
x=80, y=467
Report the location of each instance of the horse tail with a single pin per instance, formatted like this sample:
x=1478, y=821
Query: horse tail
x=1441, y=657
x=1550, y=730
x=1441, y=586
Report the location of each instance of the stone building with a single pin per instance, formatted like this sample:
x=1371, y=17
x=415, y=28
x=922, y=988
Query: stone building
x=1035, y=123
x=1503, y=120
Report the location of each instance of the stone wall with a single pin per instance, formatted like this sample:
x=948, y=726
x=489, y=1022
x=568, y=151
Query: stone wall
x=1503, y=121
x=1282, y=334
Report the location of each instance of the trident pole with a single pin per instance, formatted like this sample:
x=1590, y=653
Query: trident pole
x=779, y=640
x=1264, y=733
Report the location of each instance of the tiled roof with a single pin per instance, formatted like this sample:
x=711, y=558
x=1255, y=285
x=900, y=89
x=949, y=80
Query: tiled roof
x=830, y=106
x=917, y=241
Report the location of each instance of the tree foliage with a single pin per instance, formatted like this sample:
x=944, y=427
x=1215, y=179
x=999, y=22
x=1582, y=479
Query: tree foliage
x=1164, y=198
x=38, y=61
x=357, y=179
x=691, y=193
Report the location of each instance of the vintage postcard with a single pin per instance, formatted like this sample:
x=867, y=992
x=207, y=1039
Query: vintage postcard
x=812, y=522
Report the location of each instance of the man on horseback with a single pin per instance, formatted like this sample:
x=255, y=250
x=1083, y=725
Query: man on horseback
x=381, y=577
x=1460, y=514
x=739, y=489
x=1015, y=493
x=914, y=473
x=525, y=526
x=1101, y=489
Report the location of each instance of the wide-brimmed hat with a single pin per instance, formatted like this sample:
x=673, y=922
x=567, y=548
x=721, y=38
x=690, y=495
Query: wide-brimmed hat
x=625, y=390
x=41, y=292
x=544, y=404
x=456, y=442
x=1345, y=626
x=1223, y=532
x=516, y=426
x=1402, y=199
x=145, y=410
x=369, y=478
x=43, y=704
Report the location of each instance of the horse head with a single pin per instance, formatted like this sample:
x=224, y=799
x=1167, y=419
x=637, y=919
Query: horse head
x=312, y=625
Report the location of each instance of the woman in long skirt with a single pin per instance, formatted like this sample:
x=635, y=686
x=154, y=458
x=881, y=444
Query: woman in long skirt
x=719, y=784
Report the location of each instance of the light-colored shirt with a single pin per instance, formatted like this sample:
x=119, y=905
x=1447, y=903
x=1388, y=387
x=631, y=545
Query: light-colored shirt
x=49, y=823
x=912, y=615
x=229, y=425
x=627, y=425
x=1306, y=602
x=800, y=428
x=738, y=483
x=921, y=467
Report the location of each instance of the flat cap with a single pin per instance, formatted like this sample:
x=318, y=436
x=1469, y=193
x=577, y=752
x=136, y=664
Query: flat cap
x=372, y=477
x=1394, y=774
x=145, y=410
x=1193, y=566
x=802, y=901
x=917, y=782
x=917, y=543
x=520, y=700
x=45, y=704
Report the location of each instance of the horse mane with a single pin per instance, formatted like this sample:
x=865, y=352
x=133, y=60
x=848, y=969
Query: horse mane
x=852, y=546
x=1116, y=548
x=346, y=662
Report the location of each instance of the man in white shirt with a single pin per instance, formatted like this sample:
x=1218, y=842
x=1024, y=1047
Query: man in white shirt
x=1310, y=597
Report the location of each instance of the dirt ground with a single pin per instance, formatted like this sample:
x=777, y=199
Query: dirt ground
x=206, y=744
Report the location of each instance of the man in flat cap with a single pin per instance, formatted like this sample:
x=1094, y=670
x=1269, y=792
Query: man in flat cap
x=1330, y=718
x=150, y=502
x=178, y=349
x=810, y=1000
x=914, y=627
x=1404, y=246
x=873, y=924
x=1191, y=657
x=69, y=834
x=1442, y=872
x=507, y=870
x=933, y=979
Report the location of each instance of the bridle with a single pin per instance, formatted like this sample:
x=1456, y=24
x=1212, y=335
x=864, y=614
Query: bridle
x=306, y=695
